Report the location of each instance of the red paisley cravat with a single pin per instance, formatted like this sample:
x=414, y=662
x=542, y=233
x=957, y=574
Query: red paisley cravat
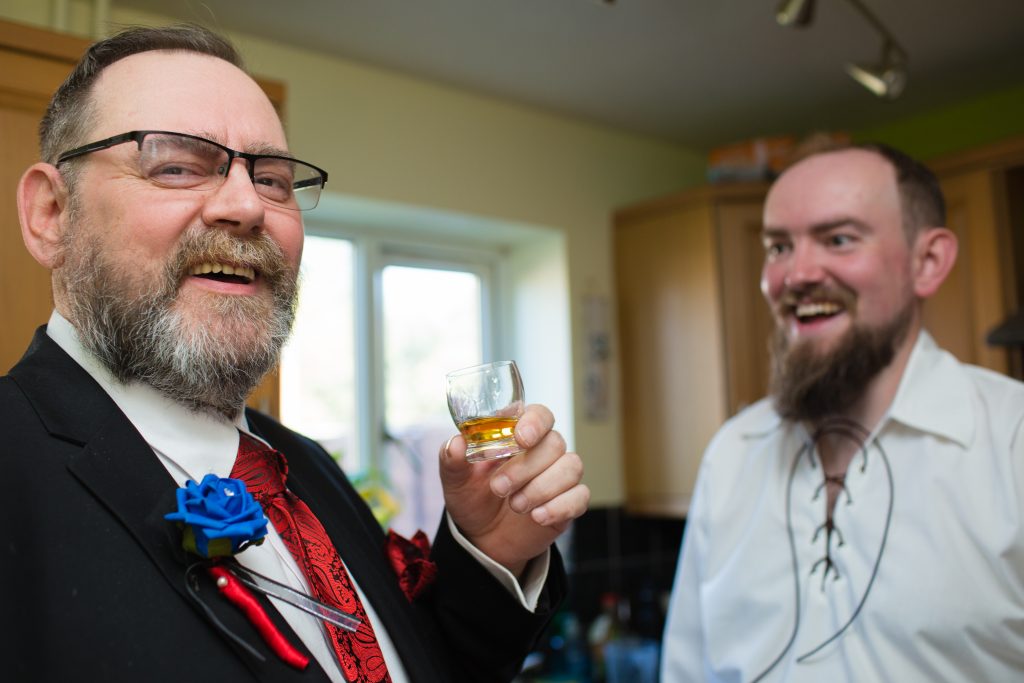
x=264, y=472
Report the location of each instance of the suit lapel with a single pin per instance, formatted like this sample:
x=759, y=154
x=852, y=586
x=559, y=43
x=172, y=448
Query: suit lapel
x=120, y=469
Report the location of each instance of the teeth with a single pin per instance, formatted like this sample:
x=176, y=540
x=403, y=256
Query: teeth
x=225, y=268
x=817, y=308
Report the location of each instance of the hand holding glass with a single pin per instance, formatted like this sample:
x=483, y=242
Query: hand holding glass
x=486, y=401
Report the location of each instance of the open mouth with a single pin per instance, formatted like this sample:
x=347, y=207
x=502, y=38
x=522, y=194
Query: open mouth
x=812, y=311
x=224, y=272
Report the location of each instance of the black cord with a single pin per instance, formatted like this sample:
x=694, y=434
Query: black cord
x=192, y=586
x=878, y=560
x=858, y=433
x=796, y=569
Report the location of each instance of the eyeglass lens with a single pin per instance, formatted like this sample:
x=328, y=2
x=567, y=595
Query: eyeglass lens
x=177, y=161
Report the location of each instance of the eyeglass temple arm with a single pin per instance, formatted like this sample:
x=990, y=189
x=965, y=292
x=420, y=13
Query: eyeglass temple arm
x=310, y=182
x=98, y=145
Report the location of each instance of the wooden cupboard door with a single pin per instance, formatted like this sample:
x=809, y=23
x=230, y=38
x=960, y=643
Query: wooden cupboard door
x=25, y=302
x=745, y=313
x=671, y=338
x=972, y=299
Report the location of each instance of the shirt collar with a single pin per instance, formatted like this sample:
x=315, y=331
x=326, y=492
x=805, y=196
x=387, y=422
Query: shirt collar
x=195, y=443
x=931, y=397
x=933, y=394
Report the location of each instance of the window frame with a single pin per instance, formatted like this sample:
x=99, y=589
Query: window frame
x=374, y=249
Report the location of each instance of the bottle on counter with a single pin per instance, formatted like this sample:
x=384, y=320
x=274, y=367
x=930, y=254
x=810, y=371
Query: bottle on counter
x=632, y=656
x=607, y=626
x=567, y=659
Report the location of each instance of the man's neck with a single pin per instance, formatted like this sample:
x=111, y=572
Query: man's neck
x=837, y=449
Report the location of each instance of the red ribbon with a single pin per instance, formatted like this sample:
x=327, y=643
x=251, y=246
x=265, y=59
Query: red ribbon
x=410, y=560
x=237, y=593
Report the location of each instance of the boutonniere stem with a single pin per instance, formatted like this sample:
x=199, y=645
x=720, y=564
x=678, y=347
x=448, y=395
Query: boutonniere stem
x=233, y=590
x=219, y=518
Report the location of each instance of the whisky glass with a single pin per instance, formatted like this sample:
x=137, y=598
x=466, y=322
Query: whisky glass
x=486, y=401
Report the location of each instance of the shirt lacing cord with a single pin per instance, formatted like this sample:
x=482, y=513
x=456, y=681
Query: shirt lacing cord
x=831, y=530
x=851, y=429
x=859, y=435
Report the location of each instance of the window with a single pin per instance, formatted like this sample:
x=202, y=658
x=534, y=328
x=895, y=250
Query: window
x=392, y=298
x=318, y=377
x=432, y=323
x=429, y=314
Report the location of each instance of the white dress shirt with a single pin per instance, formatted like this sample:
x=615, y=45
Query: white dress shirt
x=928, y=576
x=191, y=445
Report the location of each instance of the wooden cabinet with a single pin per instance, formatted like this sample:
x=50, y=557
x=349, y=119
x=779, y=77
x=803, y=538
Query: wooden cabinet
x=27, y=79
x=693, y=329
x=982, y=189
x=33, y=63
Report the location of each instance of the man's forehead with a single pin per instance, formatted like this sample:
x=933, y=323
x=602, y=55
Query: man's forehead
x=859, y=166
x=186, y=92
x=844, y=179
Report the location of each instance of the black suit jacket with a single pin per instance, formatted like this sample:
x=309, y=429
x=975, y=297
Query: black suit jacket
x=92, y=578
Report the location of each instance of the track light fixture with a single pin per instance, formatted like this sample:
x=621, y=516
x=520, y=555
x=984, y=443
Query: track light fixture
x=885, y=79
x=798, y=13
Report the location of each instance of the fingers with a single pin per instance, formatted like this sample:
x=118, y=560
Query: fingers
x=545, y=482
x=535, y=422
x=518, y=470
x=560, y=511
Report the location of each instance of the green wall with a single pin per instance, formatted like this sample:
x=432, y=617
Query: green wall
x=970, y=123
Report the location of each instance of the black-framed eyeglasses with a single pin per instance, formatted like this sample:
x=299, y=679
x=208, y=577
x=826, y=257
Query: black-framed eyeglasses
x=189, y=162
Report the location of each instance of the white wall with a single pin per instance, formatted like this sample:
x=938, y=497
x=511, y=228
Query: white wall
x=389, y=137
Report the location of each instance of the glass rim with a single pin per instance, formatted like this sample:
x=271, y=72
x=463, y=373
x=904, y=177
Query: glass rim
x=481, y=366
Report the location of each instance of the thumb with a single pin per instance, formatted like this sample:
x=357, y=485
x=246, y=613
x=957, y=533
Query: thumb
x=454, y=469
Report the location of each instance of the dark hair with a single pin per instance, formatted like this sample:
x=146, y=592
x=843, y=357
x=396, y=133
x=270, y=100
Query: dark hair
x=71, y=108
x=920, y=194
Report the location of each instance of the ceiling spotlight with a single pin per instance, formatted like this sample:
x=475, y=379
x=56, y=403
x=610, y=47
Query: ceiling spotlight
x=798, y=13
x=886, y=79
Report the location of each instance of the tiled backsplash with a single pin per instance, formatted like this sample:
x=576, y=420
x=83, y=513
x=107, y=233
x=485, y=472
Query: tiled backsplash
x=632, y=557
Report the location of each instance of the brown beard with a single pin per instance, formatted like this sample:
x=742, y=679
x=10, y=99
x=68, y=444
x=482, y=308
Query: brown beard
x=140, y=333
x=807, y=385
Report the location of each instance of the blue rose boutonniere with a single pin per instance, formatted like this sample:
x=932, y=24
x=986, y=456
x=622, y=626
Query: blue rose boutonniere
x=218, y=517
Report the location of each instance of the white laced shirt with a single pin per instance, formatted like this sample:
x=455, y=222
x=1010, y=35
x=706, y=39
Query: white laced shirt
x=922, y=578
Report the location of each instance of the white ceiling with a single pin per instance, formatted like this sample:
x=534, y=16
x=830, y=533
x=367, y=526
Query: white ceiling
x=696, y=72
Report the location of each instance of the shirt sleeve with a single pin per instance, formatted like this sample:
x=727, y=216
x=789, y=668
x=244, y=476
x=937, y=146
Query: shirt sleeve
x=536, y=574
x=683, y=642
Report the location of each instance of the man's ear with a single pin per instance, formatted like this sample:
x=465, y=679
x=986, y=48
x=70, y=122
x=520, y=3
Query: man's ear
x=42, y=200
x=935, y=252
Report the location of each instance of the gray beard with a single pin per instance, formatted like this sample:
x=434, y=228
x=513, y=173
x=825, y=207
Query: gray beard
x=810, y=386
x=137, y=332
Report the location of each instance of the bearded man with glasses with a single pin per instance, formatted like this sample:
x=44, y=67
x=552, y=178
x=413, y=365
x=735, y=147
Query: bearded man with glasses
x=168, y=209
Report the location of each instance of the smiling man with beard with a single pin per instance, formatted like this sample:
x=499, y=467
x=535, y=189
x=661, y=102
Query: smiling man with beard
x=865, y=522
x=168, y=209
x=135, y=330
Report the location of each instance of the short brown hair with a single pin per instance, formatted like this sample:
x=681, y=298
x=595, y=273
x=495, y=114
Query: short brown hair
x=921, y=197
x=71, y=109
